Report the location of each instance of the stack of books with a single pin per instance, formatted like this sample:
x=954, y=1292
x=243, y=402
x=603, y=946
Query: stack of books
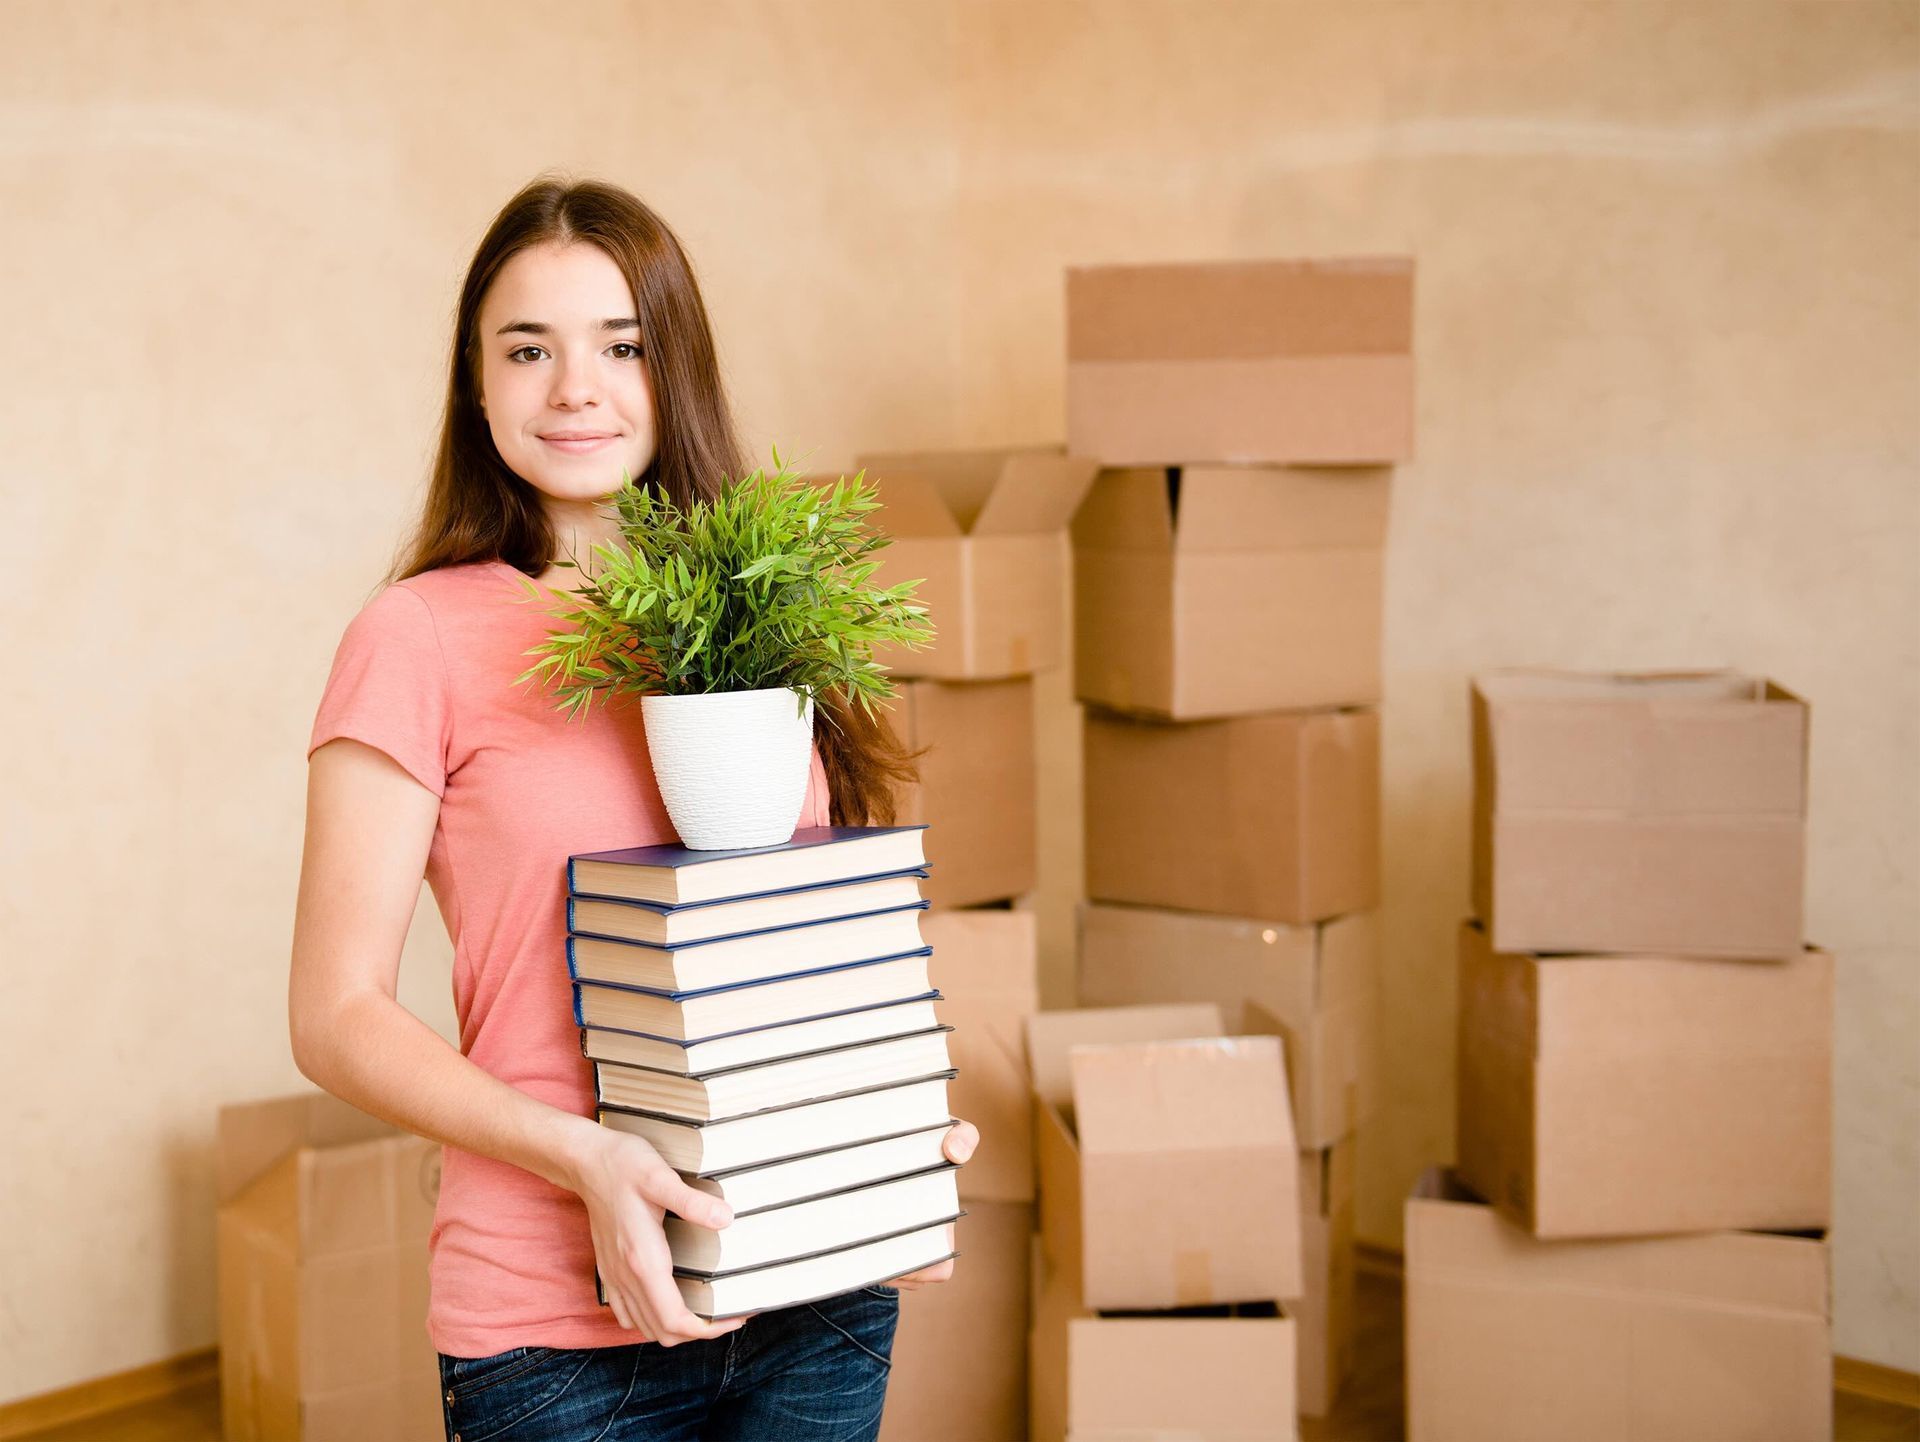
x=765, y=1020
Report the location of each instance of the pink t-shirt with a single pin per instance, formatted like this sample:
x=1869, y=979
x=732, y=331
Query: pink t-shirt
x=425, y=673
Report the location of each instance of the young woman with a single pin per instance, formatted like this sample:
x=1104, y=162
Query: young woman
x=581, y=348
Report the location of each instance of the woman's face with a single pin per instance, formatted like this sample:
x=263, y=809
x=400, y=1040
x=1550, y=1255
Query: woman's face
x=560, y=356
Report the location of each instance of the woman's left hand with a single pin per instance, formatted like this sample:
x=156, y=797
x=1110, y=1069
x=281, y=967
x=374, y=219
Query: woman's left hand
x=962, y=1138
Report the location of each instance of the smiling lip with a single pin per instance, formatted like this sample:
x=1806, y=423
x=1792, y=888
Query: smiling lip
x=578, y=444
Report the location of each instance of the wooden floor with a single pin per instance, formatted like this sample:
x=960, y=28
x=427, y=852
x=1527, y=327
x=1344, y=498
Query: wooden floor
x=1370, y=1407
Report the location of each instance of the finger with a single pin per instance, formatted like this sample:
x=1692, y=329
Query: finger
x=938, y=1272
x=962, y=1139
x=668, y=1312
x=662, y=1186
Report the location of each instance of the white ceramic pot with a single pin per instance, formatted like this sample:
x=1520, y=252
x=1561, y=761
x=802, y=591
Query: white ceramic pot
x=732, y=765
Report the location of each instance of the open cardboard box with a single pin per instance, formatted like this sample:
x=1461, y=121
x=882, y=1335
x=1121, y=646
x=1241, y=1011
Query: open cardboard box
x=1223, y=591
x=322, y=1227
x=1275, y=816
x=1222, y=1374
x=959, y=1353
x=1241, y=361
x=983, y=531
x=984, y=963
x=1639, y=812
x=976, y=788
x=1609, y=1096
x=1700, y=1338
x=1167, y=1166
x=1316, y=987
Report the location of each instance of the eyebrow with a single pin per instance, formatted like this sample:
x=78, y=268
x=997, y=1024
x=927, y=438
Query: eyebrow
x=534, y=327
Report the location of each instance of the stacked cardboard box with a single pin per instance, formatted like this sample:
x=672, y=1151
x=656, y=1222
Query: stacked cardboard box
x=1169, y=1199
x=1634, y=1242
x=1228, y=568
x=323, y=1223
x=983, y=532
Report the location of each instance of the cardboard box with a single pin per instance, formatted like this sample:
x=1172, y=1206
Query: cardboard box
x=984, y=964
x=322, y=1227
x=1275, y=816
x=960, y=1355
x=1220, y=1374
x=976, y=788
x=1261, y=361
x=1610, y=1096
x=1316, y=987
x=1639, y=812
x=1324, y=1315
x=1137, y=1112
x=1705, y=1338
x=984, y=533
x=1224, y=591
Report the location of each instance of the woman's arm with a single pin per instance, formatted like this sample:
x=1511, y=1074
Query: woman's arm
x=369, y=827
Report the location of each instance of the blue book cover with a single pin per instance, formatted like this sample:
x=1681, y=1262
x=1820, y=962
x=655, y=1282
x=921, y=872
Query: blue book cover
x=666, y=908
x=572, y=931
x=686, y=1044
x=580, y=1018
x=674, y=855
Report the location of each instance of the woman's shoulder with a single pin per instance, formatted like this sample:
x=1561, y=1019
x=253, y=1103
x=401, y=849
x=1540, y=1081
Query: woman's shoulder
x=461, y=579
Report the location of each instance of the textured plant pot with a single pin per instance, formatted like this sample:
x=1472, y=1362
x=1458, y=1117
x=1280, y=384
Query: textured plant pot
x=732, y=765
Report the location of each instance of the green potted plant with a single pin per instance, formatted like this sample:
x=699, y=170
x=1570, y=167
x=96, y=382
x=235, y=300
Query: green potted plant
x=729, y=619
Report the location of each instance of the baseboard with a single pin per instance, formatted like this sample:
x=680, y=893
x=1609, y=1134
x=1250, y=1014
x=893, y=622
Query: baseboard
x=46, y=1410
x=1872, y=1379
x=1850, y=1374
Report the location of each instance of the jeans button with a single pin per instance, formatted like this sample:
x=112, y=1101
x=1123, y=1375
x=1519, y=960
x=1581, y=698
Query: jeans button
x=449, y=1396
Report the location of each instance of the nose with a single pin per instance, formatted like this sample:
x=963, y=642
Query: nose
x=574, y=384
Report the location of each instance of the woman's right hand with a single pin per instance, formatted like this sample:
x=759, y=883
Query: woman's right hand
x=628, y=1190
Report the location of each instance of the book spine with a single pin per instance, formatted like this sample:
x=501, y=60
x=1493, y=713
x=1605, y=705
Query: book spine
x=579, y=1015
x=573, y=969
x=570, y=925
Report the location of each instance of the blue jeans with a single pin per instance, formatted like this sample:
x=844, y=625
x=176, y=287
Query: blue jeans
x=816, y=1372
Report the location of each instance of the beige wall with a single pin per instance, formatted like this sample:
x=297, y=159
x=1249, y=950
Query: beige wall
x=1668, y=334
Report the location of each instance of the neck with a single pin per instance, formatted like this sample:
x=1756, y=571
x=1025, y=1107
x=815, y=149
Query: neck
x=578, y=526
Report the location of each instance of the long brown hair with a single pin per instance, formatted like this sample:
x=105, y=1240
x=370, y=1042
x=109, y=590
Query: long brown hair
x=478, y=509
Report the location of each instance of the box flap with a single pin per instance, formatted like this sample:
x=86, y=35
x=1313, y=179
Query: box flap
x=1236, y=309
x=1037, y=491
x=1274, y=508
x=1201, y=1094
x=1051, y=1036
x=934, y=493
x=1126, y=510
x=252, y=1136
x=911, y=505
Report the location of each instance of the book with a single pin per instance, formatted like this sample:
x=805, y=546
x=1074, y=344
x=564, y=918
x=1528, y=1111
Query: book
x=759, y=1043
x=679, y=875
x=781, y=1133
x=824, y=1224
x=659, y=924
x=689, y=1016
x=781, y=1082
x=788, y=1284
x=756, y=956
x=752, y=1189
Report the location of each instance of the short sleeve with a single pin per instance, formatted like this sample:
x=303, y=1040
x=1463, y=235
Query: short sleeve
x=388, y=687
